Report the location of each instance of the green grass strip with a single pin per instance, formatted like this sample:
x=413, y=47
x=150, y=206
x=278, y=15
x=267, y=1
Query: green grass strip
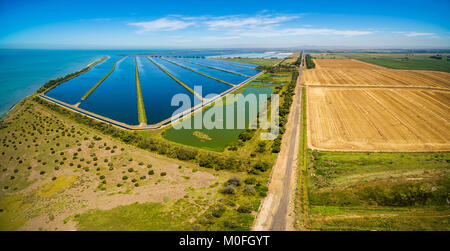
x=140, y=100
x=219, y=69
x=225, y=82
x=303, y=140
x=176, y=79
x=86, y=95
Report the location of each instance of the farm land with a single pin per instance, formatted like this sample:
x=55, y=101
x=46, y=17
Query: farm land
x=383, y=160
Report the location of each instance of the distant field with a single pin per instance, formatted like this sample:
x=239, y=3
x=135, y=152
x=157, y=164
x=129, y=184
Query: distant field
x=378, y=191
x=257, y=61
x=394, y=60
x=353, y=72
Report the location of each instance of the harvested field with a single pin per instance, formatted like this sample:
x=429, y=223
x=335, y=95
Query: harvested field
x=378, y=119
x=344, y=63
x=357, y=73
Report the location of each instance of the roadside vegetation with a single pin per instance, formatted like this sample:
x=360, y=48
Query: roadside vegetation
x=309, y=62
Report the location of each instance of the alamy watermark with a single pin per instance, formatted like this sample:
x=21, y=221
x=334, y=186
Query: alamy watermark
x=237, y=111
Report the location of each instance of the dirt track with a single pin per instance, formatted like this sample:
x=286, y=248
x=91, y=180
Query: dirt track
x=277, y=211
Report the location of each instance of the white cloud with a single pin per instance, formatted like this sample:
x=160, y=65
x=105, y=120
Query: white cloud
x=303, y=31
x=164, y=24
x=237, y=26
x=240, y=21
x=415, y=34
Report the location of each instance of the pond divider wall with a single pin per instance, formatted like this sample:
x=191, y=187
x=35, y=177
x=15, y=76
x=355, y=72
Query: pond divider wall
x=219, y=69
x=140, y=100
x=222, y=81
x=86, y=95
x=176, y=79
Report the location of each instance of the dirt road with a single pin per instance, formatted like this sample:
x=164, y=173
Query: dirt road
x=277, y=210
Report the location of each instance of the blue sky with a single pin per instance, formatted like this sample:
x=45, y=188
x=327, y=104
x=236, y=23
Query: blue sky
x=223, y=24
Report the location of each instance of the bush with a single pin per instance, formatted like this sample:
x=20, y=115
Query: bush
x=218, y=211
x=244, y=209
x=230, y=224
x=151, y=172
x=250, y=181
x=249, y=190
x=228, y=190
x=163, y=174
x=261, y=166
x=234, y=181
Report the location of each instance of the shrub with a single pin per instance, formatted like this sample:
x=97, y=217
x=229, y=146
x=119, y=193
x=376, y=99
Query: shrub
x=124, y=177
x=163, y=174
x=249, y=190
x=244, y=209
x=234, y=181
x=218, y=211
x=130, y=170
x=230, y=224
x=151, y=172
x=228, y=190
x=250, y=181
x=261, y=166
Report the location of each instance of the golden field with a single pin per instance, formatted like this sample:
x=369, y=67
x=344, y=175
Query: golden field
x=376, y=119
x=357, y=73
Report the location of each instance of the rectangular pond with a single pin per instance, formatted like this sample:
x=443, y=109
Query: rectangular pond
x=158, y=89
x=225, y=66
x=191, y=79
x=72, y=90
x=216, y=139
x=241, y=64
x=116, y=98
x=225, y=76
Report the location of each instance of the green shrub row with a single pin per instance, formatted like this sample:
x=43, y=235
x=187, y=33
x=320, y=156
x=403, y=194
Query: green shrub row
x=285, y=108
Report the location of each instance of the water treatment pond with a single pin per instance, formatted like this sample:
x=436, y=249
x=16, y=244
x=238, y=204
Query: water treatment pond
x=191, y=79
x=224, y=65
x=72, y=90
x=158, y=89
x=115, y=98
x=228, y=77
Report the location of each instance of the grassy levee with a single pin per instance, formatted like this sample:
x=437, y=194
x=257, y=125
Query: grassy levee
x=219, y=69
x=53, y=83
x=170, y=61
x=302, y=205
x=176, y=79
x=140, y=100
x=86, y=95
